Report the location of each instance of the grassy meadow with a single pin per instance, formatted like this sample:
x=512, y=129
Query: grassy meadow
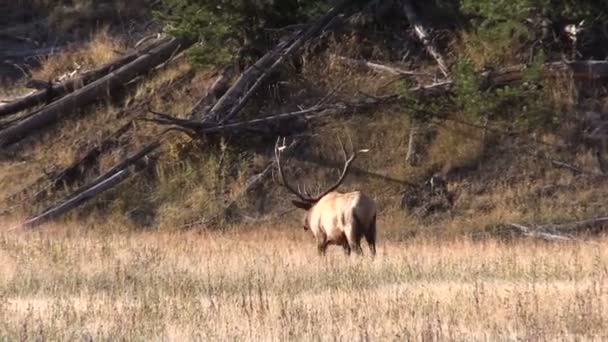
x=269, y=284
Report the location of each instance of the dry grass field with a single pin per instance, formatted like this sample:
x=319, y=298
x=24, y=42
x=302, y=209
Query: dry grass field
x=269, y=284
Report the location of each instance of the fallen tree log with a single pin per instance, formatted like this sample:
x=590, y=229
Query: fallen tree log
x=91, y=92
x=197, y=127
x=378, y=67
x=75, y=171
x=424, y=37
x=241, y=91
x=562, y=232
x=587, y=71
x=514, y=75
x=597, y=223
x=526, y=231
x=53, y=91
x=417, y=130
x=108, y=180
x=214, y=93
x=77, y=199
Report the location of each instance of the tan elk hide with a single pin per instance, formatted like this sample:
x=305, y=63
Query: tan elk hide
x=333, y=217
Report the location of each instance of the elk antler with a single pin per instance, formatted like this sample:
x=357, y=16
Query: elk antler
x=305, y=196
x=347, y=162
x=277, y=155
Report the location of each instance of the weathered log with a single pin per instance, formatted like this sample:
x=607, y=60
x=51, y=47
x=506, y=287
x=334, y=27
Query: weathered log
x=53, y=91
x=77, y=199
x=237, y=96
x=581, y=70
x=214, y=93
x=108, y=180
x=412, y=155
x=590, y=70
x=73, y=172
x=423, y=35
x=595, y=223
x=555, y=232
x=245, y=79
x=91, y=92
x=198, y=127
x=526, y=231
x=414, y=145
x=514, y=75
x=378, y=67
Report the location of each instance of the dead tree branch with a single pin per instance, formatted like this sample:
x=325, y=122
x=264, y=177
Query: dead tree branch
x=214, y=93
x=239, y=94
x=555, y=232
x=54, y=91
x=526, y=231
x=378, y=67
x=108, y=180
x=424, y=37
x=198, y=127
x=91, y=92
x=77, y=199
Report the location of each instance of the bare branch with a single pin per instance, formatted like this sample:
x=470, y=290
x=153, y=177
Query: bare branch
x=540, y=235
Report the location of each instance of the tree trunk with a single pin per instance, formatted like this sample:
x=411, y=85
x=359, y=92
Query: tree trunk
x=413, y=145
x=110, y=179
x=54, y=91
x=91, y=92
x=423, y=35
x=78, y=199
x=239, y=94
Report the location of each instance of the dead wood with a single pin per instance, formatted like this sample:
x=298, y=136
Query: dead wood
x=77, y=199
x=241, y=91
x=91, y=92
x=586, y=71
x=76, y=170
x=424, y=37
x=597, y=224
x=214, y=93
x=197, y=127
x=377, y=66
x=526, y=231
x=562, y=232
x=108, y=180
x=413, y=145
x=50, y=91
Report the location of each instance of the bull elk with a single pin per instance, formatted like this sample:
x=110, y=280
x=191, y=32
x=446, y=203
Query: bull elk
x=333, y=217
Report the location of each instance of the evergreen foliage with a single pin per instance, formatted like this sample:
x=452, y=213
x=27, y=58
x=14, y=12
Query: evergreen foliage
x=224, y=27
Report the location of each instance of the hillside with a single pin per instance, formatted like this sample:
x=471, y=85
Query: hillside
x=509, y=154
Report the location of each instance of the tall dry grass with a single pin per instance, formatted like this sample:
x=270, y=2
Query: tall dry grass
x=269, y=284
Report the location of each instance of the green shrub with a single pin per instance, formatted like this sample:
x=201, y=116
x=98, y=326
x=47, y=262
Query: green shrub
x=224, y=26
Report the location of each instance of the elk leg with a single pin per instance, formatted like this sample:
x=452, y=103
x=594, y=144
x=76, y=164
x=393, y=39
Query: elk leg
x=356, y=247
x=322, y=243
x=370, y=236
x=346, y=247
x=354, y=243
x=355, y=234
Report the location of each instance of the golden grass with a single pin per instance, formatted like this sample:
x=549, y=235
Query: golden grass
x=101, y=49
x=269, y=284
